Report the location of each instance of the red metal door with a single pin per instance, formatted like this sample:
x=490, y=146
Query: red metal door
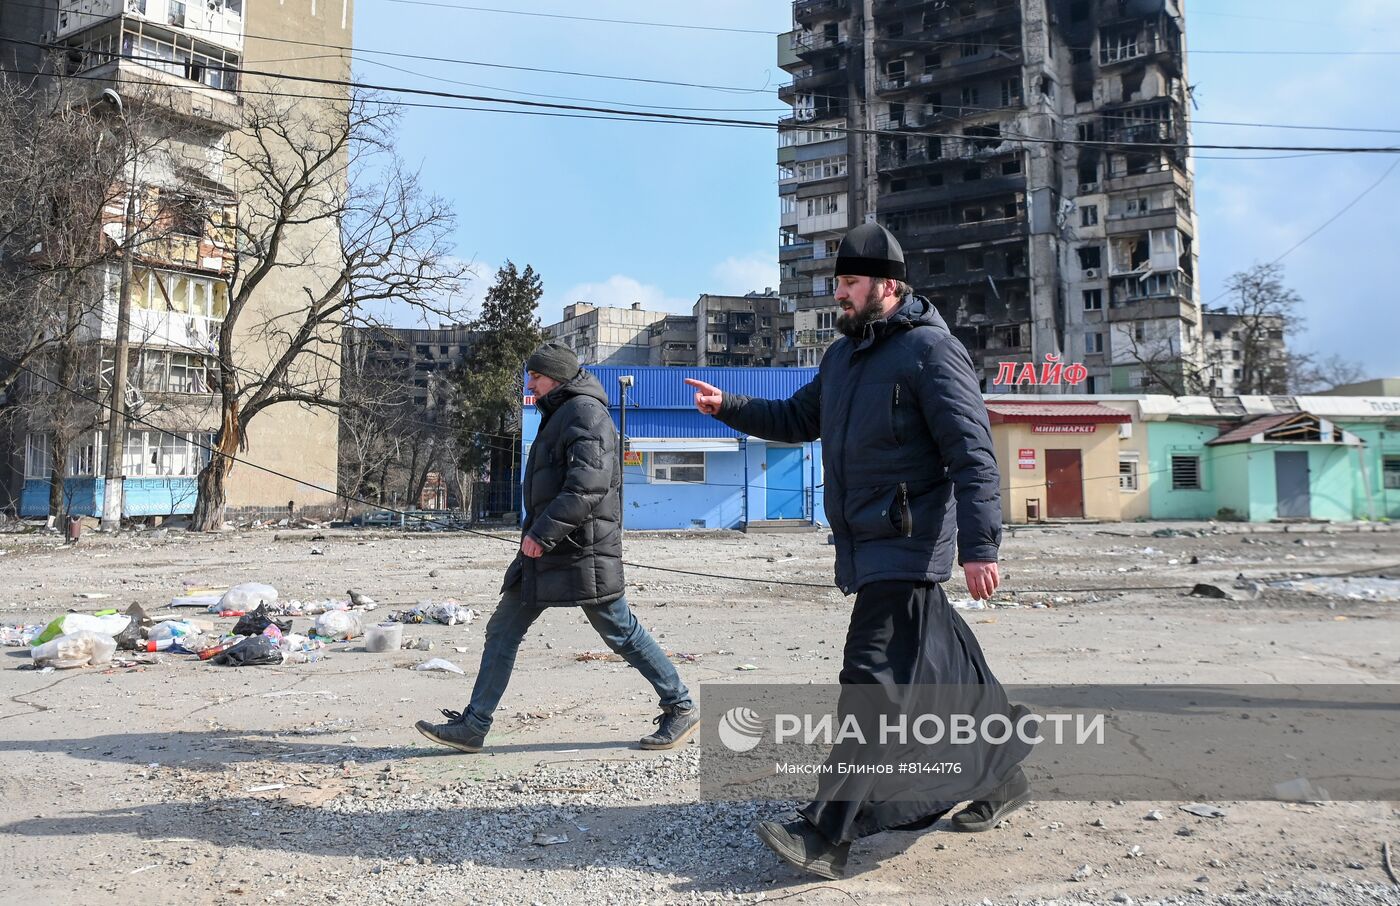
x=1064, y=479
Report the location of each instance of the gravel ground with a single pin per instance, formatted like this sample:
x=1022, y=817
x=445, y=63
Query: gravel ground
x=144, y=784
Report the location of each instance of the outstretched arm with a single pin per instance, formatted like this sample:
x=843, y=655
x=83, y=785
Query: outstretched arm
x=796, y=419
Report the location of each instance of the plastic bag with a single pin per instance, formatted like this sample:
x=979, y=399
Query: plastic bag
x=75, y=649
x=254, y=651
x=171, y=629
x=70, y=623
x=245, y=597
x=339, y=624
x=442, y=664
x=256, y=623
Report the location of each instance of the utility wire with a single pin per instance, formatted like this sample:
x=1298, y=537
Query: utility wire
x=617, y=113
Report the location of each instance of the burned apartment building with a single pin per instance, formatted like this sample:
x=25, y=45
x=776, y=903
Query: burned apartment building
x=1245, y=355
x=1030, y=155
x=748, y=330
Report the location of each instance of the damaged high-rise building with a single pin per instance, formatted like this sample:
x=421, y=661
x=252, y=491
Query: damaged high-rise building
x=1031, y=157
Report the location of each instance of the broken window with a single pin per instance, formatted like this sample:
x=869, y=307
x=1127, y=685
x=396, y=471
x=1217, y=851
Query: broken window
x=1089, y=215
x=933, y=61
x=1390, y=469
x=1186, y=473
x=976, y=259
x=971, y=46
x=971, y=96
x=971, y=174
x=937, y=264
x=1093, y=343
x=1011, y=167
x=1090, y=257
x=1093, y=300
x=935, y=180
x=1010, y=91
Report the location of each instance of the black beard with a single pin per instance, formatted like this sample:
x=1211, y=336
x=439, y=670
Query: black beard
x=854, y=325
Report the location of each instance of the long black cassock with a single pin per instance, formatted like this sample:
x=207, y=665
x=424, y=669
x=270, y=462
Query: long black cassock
x=908, y=654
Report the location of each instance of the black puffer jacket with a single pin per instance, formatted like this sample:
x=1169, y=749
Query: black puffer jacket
x=906, y=448
x=572, y=506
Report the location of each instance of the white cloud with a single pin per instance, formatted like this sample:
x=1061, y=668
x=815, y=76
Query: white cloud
x=618, y=291
x=736, y=276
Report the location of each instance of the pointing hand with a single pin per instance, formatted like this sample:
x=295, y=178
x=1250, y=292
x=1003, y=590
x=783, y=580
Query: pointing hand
x=707, y=396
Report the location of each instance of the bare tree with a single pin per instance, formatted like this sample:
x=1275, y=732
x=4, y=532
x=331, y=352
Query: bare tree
x=1166, y=366
x=321, y=195
x=1312, y=373
x=375, y=412
x=65, y=162
x=1267, y=312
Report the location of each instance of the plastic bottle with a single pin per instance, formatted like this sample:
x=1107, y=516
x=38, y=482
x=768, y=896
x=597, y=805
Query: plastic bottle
x=159, y=644
x=208, y=653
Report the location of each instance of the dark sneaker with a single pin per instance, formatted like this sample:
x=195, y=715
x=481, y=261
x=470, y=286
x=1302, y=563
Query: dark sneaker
x=455, y=733
x=922, y=824
x=984, y=814
x=676, y=724
x=802, y=846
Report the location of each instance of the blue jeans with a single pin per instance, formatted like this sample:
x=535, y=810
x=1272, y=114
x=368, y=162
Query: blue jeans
x=614, y=622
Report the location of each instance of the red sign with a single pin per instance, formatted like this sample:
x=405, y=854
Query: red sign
x=1025, y=457
x=1064, y=429
x=529, y=399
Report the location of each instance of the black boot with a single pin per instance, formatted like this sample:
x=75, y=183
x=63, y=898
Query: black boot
x=677, y=723
x=455, y=733
x=984, y=814
x=802, y=846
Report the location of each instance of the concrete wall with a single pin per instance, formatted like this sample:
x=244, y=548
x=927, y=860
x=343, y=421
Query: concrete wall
x=1180, y=438
x=287, y=437
x=1379, y=503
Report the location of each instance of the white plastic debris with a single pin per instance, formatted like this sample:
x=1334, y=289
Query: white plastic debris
x=76, y=649
x=339, y=624
x=442, y=664
x=247, y=597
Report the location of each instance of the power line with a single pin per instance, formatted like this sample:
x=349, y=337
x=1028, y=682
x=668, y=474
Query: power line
x=518, y=12
x=1331, y=220
x=614, y=113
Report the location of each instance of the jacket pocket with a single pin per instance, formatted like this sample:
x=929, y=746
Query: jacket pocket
x=873, y=512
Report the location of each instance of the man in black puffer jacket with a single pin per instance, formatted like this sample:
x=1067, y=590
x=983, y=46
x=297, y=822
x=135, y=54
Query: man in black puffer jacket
x=570, y=556
x=910, y=481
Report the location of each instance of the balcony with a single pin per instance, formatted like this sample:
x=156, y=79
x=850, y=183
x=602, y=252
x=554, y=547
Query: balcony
x=956, y=70
x=812, y=43
x=823, y=337
x=927, y=196
x=1152, y=309
x=1143, y=221
x=950, y=234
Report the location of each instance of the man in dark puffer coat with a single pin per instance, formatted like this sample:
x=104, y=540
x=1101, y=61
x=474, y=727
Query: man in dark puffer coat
x=570, y=556
x=911, y=486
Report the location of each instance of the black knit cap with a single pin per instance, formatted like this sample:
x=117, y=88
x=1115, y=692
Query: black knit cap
x=553, y=360
x=870, y=251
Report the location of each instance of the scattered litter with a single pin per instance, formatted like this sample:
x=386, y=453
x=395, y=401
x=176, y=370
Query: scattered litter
x=1153, y=815
x=75, y=649
x=442, y=664
x=384, y=637
x=247, y=596
x=137, y=871
x=448, y=613
x=1082, y=873
x=14, y=636
x=253, y=651
x=69, y=623
x=597, y=656
x=266, y=788
x=257, y=622
x=969, y=605
x=1352, y=588
x=746, y=667
x=92, y=595
x=208, y=602
x=339, y=625
x=1200, y=810
x=551, y=836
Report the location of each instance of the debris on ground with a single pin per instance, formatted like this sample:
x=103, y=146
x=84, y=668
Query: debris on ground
x=442, y=664
x=1201, y=810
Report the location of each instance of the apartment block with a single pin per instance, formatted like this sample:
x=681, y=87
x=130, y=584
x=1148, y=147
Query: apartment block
x=1030, y=155
x=744, y=330
x=1244, y=356
x=674, y=340
x=606, y=335
x=183, y=59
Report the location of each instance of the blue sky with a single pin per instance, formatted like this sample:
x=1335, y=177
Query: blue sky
x=614, y=213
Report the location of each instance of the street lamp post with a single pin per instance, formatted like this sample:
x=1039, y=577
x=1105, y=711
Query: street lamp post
x=112, y=493
x=623, y=383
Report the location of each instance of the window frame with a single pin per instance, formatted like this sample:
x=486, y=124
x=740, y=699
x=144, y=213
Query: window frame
x=653, y=466
x=1180, y=461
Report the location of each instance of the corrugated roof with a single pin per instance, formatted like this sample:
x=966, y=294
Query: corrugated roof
x=662, y=387
x=1243, y=432
x=1070, y=412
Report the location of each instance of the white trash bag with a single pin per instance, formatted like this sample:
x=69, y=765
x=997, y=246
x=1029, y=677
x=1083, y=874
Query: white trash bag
x=76, y=649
